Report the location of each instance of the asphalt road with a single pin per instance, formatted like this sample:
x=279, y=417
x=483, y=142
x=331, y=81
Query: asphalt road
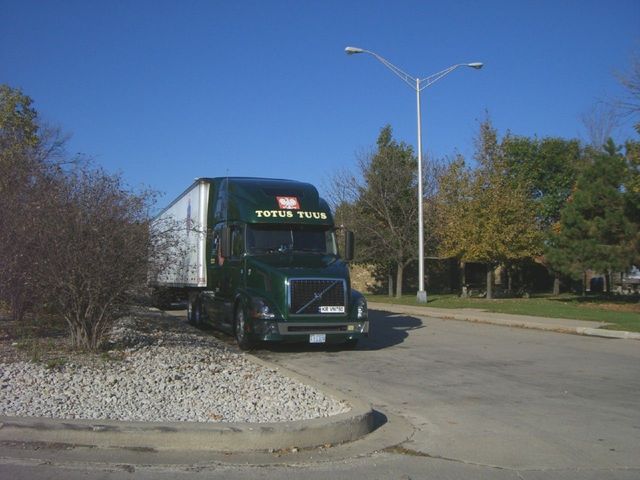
x=481, y=401
x=520, y=400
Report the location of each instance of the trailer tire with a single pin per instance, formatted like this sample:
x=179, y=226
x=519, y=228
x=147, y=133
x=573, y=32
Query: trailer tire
x=190, y=311
x=240, y=328
x=194, y=311
x=160, y=298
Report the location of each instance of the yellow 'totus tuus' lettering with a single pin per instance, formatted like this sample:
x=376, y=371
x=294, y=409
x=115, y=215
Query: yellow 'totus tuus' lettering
x=289, y=214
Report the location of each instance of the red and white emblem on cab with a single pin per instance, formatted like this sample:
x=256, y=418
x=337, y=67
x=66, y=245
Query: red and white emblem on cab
x=288, y=203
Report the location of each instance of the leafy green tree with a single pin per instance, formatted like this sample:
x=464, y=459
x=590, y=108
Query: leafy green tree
x=30, y=168
x=548, y=168
x=595, y=230
x=485, y=215
x=20, y=174
x=380, y=205
x=18, y=121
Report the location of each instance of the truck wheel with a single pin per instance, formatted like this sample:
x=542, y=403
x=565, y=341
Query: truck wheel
x=190, y=311
x=240, y=329
x=197, y=313
x=194, y=311
x=160, y=298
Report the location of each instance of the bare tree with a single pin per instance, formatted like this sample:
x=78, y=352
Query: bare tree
x=600, y=122
x=72, y=237
x=630, y=106
x=98, y=240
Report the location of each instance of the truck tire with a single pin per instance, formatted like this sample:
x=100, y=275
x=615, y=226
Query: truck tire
x=190, y=311
x=240, y=329
x=194, y=311
x=161, y=298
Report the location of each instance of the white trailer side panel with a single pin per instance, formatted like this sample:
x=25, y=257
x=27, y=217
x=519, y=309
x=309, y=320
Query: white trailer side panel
x=187, y=221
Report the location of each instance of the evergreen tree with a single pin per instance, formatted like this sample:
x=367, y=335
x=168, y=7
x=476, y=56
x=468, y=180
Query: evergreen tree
x=632, y=192
x=548, y=168
x=595, y=230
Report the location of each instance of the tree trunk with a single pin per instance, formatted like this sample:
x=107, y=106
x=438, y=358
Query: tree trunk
x=463, y=280
x=509, y=280
x=556, y=285
x=489, y=281
x=390, y=278
x=399, y=280
x=18, y=305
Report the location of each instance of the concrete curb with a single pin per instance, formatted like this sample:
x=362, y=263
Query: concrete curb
x=222, y=437
x=550, y=325
x=218, y=437
x=599, y=332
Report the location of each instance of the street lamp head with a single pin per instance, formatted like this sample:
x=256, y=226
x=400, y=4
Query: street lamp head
x=476, y=65
x=353, y=50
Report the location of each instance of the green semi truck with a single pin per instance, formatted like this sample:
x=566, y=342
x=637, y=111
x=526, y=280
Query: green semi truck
x=259, y=259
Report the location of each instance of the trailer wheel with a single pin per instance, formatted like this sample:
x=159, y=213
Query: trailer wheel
x=240, y=329
x=194, y=311
x=161, y=298
x=197, y=313
x=190, y=311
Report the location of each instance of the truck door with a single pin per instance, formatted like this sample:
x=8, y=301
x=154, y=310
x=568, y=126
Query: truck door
x=232, y=270
x=210, y=297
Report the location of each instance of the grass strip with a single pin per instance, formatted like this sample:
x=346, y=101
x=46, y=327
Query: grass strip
x=622, y=313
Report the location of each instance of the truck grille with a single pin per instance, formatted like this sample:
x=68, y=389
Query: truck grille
x=317, y=296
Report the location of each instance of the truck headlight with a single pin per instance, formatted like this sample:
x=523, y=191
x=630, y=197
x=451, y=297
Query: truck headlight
x=261, y=310
x=361, y=309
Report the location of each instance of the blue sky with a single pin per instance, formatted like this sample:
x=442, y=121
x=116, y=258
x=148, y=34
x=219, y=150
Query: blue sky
x=167, y=91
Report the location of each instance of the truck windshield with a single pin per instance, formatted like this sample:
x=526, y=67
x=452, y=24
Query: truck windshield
x=263, y=239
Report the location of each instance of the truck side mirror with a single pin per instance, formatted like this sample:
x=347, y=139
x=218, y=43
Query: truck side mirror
x=349, y=246
x=225, y=242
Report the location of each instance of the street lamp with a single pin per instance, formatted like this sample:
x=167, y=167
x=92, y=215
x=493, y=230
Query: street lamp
x=418, y=85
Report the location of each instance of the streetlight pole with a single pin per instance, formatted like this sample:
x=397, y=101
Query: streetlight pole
x=418, y=85
x=422, y=292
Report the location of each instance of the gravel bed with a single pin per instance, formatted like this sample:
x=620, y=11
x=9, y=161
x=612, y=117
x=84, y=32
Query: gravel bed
x=162, y=374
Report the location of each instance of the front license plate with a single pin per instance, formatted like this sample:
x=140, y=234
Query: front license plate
x=331, y=309
x=317, y=338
